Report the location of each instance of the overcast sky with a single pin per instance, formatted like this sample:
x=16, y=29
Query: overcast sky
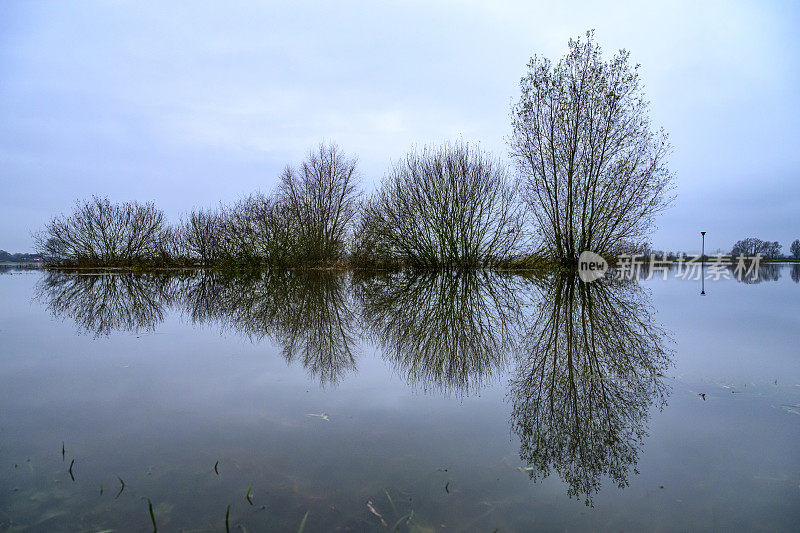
x=190, y=104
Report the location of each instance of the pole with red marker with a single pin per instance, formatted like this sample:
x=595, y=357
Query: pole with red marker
x=702, y=265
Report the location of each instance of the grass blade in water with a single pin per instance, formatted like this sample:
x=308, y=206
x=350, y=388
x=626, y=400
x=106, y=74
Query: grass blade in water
x=407, y=518
x=303, y=523
x=391, y=502
x=152, y=516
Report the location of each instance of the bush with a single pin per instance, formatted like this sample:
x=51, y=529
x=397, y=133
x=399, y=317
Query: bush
x=448, y=206
x=99, y=233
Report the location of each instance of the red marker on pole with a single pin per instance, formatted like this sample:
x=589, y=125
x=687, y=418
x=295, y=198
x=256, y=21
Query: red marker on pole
x=703, y=254
x=702, y=265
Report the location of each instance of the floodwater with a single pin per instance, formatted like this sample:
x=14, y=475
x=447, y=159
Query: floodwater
x=407, y=402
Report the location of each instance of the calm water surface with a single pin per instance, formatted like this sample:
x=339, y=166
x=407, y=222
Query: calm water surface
x=419, y=403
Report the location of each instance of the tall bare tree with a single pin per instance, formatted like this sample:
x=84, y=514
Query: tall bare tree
x=321, y=199
x=594, y=169
x=773, y=250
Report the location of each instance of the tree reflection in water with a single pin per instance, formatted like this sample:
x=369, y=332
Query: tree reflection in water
x=588, y=372
x=102, y=303
x=310, y=314
x=450, y=331
x=587, y=358
x=751, y=276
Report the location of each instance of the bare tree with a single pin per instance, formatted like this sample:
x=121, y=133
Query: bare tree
x=257, y=230
x=748, y=247
x=752, y=246
x=171, y=247
x=201, y=235
x=320, y=199
x=448, y=206
x=773, y=250
x=795, y=249
x=101, y=233
x=594, y=169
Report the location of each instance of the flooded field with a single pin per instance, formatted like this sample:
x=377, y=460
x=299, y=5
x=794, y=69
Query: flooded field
x=466, y=402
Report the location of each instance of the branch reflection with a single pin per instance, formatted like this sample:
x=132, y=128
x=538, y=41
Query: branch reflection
x=764, y=272
x=588, y=356
x=588, y=373
x=310, y=314
x=445, y=331
x=102, y=303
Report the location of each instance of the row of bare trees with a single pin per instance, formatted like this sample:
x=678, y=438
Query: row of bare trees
x=591, y=175
x=308, y=220
x=438, y=207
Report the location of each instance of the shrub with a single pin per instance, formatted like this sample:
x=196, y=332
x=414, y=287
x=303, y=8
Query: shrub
x=99, y=233
x=448, y=206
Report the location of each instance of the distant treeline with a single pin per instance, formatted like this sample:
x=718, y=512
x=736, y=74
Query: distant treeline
x=767, y=249
x=770, y=250
x=8, y=257
x=439, y=207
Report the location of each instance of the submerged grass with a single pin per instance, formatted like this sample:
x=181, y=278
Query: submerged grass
x=121, y=488
x=391, y=502
x=152, y=515
x=302, y=526
x=407, y=519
